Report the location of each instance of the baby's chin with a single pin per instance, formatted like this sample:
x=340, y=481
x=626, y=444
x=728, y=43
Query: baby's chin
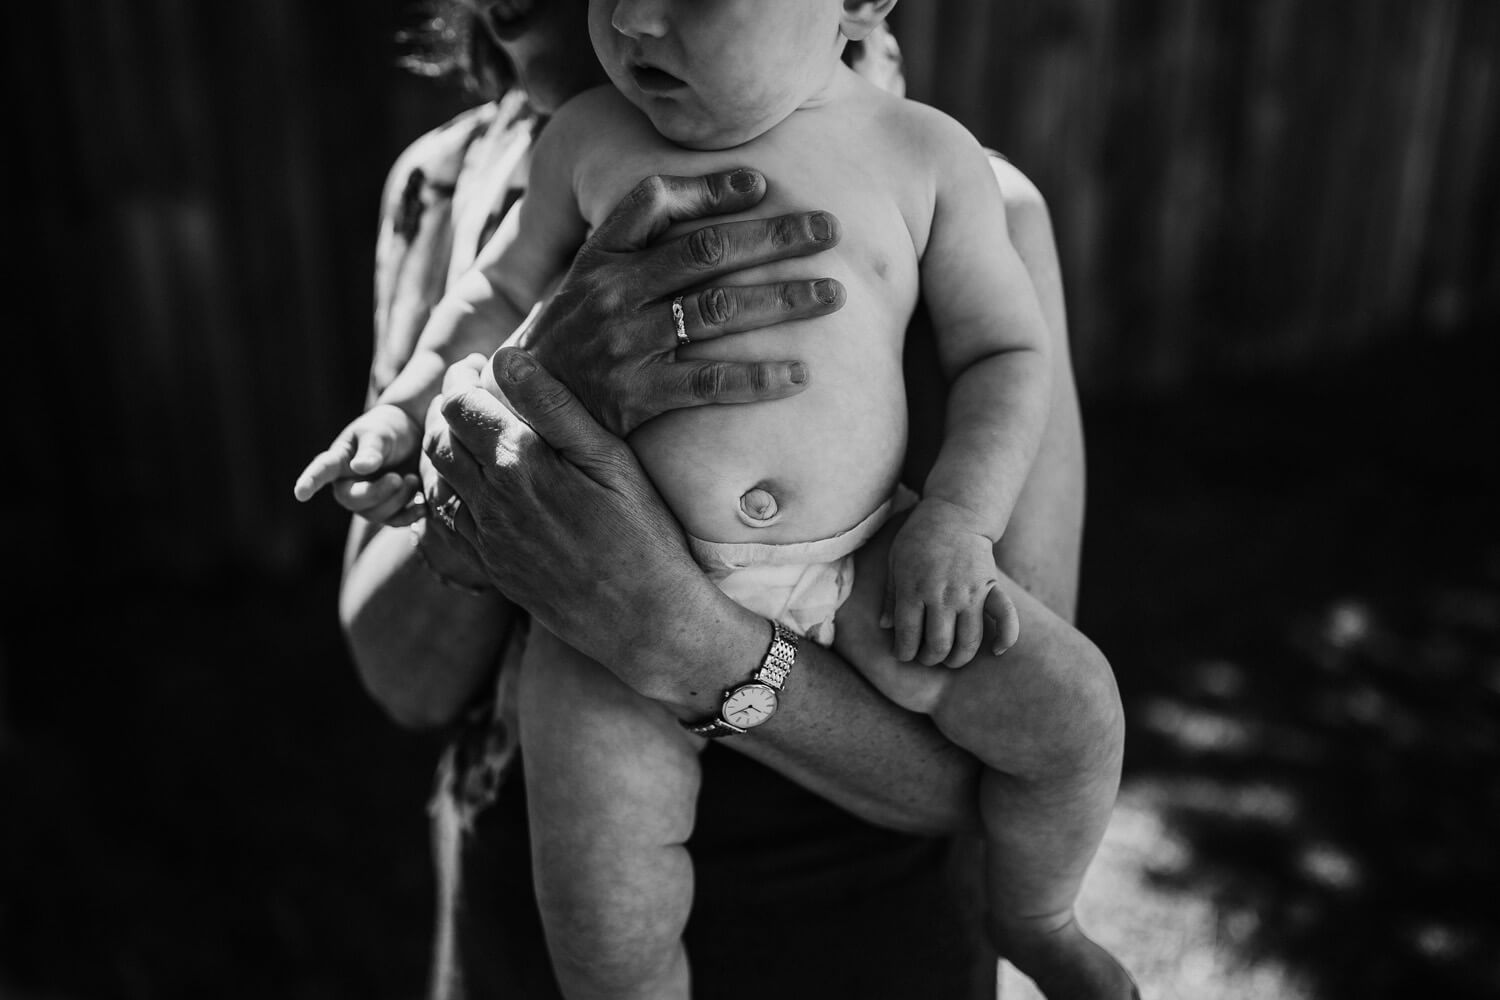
x=682, y=128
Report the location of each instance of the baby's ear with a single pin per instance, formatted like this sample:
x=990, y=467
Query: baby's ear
x=862, y=17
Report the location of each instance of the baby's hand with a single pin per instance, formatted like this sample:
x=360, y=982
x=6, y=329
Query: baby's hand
x=943, y=586
x=379, y=439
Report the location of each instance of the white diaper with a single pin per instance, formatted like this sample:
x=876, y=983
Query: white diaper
x=800, y=584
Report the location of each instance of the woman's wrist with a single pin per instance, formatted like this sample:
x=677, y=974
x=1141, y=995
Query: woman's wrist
x=693, y=643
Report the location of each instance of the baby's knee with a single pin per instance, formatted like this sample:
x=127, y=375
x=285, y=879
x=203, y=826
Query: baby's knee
x=1087, y=721
x=1047, y=711
x=1058, y=719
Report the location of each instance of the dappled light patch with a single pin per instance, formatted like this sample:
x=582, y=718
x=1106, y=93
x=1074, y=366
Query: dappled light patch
x=1310, y=658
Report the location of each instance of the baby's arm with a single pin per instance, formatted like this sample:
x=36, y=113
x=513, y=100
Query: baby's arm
x=511, y=273
x=992, y=344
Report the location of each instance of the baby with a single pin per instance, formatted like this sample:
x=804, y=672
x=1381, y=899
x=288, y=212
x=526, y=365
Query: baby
x=776, y=497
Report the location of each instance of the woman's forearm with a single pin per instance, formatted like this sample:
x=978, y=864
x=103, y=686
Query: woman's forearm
x=832, y=733
x=840, y=738
x=423, y=648
x=1042, y=546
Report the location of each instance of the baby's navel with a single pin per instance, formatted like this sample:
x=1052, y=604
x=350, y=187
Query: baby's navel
x=758, y=508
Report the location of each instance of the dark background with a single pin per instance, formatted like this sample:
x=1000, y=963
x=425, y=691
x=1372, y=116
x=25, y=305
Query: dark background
x=1280, y=230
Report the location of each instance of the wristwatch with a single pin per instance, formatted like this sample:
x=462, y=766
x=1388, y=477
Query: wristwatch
x=753, y=703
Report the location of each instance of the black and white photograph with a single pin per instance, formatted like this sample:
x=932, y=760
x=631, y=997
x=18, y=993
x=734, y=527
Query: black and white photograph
x=734, y=499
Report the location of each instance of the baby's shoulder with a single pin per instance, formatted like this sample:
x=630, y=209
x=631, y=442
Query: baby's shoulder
x=924, y=132
x=593, y=130
x=920, y=155
x=599, y=113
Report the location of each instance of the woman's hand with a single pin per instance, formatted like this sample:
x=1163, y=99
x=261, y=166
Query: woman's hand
x=565, y=521
x=609, y=332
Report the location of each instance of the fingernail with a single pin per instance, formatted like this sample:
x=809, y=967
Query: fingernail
x=742, y=180
x=518, y=367
x=798, y=372
x=885, y=621
x=822, y=227
x=825, y=290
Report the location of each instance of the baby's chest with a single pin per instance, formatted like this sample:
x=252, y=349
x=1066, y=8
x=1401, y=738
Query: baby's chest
x=876, y=251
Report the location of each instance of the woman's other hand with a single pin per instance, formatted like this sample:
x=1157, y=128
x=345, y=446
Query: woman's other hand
x=551, y=500
x=610, y=334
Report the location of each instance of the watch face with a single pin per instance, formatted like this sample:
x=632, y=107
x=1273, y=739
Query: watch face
x=749, y=705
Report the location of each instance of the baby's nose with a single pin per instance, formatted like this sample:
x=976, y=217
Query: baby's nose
x=640, y=18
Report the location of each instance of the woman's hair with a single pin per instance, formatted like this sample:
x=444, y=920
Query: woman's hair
x=449, y=43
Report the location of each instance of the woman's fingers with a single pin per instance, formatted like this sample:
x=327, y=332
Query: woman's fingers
x=692, y=383
x=553, y=412
x=714, y=312
x=448, y=466
x=610, y=327
x=727, y=247
x=458, y=473
x=657, y=202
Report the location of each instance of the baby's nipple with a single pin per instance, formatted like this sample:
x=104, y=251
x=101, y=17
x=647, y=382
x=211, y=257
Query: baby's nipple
x=758, y=508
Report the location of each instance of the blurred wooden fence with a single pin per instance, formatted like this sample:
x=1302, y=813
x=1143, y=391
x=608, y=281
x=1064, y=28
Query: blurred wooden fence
x=1234, y=182
x=1239, y=182
x=206, y=178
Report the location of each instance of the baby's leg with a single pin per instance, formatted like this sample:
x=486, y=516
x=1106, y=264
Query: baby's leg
x=1045, y=720
x=611, y=785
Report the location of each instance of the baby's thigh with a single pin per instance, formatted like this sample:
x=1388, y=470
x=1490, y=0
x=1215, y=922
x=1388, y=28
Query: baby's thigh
x=596, y=751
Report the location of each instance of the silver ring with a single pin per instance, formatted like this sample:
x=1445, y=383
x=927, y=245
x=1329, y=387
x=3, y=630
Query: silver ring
x=447, y=511
x=677, y=317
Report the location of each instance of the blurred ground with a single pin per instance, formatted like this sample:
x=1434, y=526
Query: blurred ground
x=1298, y=581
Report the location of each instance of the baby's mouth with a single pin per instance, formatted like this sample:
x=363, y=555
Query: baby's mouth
x=509, y=19
x=653, y=80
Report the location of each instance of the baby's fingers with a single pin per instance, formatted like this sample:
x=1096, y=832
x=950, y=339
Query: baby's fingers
x=968, y=633
x=1003, y=618
x=938, y=636
x=372, y=446
x=326, y=467
x=908, y=625
x=379, y=499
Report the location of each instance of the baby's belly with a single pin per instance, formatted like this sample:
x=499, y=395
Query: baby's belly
x=789, y=470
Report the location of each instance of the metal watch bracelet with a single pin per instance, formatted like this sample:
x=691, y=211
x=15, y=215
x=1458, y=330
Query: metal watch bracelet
x=768, y=680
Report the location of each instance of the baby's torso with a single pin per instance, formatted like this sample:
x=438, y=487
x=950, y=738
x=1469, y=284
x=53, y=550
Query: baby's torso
x=831, y=454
